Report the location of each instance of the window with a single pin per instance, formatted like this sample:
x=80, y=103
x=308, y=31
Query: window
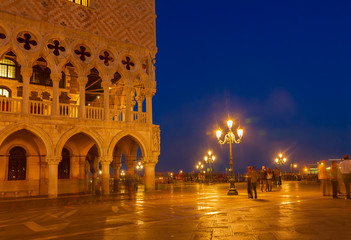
x=41, y=76
x=64, y=165
x=17, y=164
x=8, y=68
x=4, y=92
x=81, y=2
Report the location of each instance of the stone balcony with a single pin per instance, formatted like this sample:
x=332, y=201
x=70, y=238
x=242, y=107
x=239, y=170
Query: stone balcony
x=69, y=111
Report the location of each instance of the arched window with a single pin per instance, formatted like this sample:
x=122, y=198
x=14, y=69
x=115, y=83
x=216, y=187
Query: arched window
x=81, y=2
x=4, y=92
x=8, y=68
x=17, y=164
x=64, y=165
x=41, y=76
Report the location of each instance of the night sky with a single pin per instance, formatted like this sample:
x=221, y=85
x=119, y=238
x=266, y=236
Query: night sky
x=280, y=69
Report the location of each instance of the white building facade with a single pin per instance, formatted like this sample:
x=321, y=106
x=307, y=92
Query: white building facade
x=77, y=79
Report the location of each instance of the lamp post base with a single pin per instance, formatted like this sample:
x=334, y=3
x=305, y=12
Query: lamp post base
x=232, y=189
x=232, y=192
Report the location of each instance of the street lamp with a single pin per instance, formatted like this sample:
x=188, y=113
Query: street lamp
x=292, y=166
x=199, y=167
x=280, y=160
x=230, y=138
x=139, y=168
x=210, y=159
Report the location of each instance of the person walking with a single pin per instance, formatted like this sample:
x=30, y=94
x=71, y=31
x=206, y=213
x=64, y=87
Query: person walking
x=269, y=180
x=263, y=178
x=345, y=168
x=248, y=181
x=254, y=178
x=323, y=177
x=334, y=178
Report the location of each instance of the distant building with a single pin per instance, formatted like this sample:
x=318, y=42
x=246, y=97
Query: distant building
x=77, y=79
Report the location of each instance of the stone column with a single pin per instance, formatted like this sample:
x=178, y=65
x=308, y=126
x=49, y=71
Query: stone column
x=131, y=164
x=105, y=168
x=56, y=77
x=128, y=104
x=53, y=175
x=82, y=83
x=26, y=73
x=106, y=86
x=83, y=174
x=43, y=188
x=116, y=167
x=149, y=94
x=140, y=101
x=149, y=175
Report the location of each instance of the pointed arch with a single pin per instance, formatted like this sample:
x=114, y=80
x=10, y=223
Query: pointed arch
x=33, y=129
x=20, y=57
x=73, y=131
x=136, y=136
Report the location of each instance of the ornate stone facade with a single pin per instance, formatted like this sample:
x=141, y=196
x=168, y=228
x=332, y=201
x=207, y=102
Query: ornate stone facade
x=78, y=80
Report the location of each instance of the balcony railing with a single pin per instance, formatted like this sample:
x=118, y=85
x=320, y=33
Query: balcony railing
x=139, y=117
x=69, y=110
x=40, y=108
x=10, y=105
x=94, y=113
x=117, y=115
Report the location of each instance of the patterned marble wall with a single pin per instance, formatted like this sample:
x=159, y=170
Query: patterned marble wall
x=129, y=21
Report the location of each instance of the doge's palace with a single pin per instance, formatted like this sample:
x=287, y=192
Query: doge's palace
x=77, y=79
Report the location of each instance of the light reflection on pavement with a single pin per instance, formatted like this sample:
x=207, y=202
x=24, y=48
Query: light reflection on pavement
x=187, y=211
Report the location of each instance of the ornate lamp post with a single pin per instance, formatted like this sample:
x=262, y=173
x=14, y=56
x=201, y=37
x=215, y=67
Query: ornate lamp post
x=199, y=166
x=139, y=168
x=230, y=138
x=280, y=160
x=210, y=159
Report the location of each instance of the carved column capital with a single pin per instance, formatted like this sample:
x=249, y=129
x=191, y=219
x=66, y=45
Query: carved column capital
x=150, y=161
x=53, y=160
x=56, y=77
x=106, y=84
x=149, y=92
x=105, y=160
x=26, y=72
x=82, y=80
x=140, y=98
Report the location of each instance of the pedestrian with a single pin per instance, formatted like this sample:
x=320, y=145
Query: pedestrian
x=334, y=178
x=269, y=178
x=263, y=179
x=323, y=177
x=254, y=178
x=130, y=185
x=248, y=181
x=345, y=168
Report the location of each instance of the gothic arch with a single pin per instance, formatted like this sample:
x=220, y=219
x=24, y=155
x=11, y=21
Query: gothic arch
x=20, y=57
x=33, y=129
x=73, y=131
x=139, y=139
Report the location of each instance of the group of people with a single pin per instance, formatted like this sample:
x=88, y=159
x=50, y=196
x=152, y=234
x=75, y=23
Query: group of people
x=339, y=174
x=265, y=177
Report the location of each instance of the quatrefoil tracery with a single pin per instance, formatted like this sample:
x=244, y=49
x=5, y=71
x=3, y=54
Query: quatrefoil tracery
x=57, y=48
x=128, y=63
x=83, y=53
x=106, y=58
x=26, y=39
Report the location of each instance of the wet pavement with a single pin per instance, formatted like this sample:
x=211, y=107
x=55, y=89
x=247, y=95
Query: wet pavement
x=182, y=211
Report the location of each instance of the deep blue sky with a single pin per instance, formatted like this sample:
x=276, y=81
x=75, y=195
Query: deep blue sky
x=280, y=68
